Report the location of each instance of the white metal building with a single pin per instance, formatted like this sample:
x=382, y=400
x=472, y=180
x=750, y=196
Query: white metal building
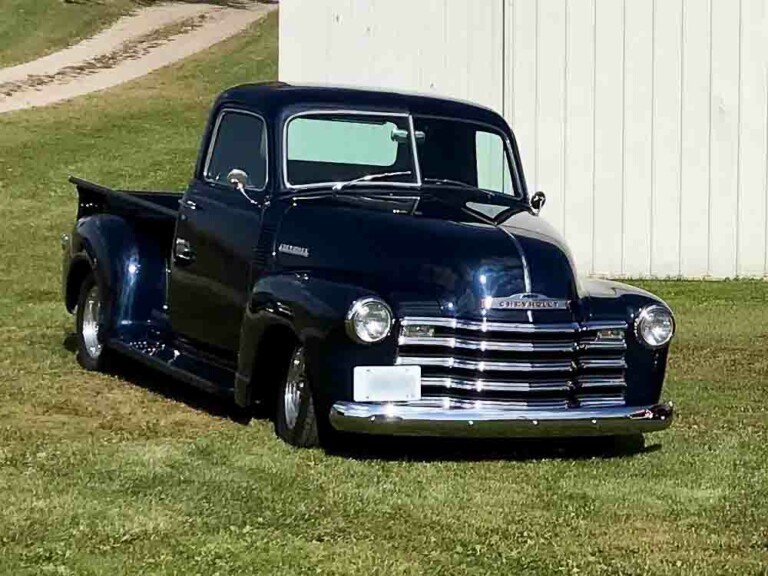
x=644, y=121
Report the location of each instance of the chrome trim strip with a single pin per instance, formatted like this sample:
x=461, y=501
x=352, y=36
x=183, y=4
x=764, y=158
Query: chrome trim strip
x=495, y=346
x=496, y=386
x=524, y=262
x=415, y=148
x=406, y=419
x=589, y=382
x=215, y=135
x=616, y=345
x=449, y=402
x=599, y=402
x=485, y=365
x=523, y=259
x=588, y=363
x=485, y=326
x=321, y=112
x=604, y=325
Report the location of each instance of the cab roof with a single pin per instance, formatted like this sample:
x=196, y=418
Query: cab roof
x=276, y=99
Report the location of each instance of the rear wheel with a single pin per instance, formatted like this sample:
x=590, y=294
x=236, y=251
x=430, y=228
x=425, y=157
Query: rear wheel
x=295, y=419
x=89, y=323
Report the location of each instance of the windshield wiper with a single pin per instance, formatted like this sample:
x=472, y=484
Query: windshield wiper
x=367, y=178
x=451, y=182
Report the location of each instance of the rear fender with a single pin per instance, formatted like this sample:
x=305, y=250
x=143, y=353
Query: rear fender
x=129, y=268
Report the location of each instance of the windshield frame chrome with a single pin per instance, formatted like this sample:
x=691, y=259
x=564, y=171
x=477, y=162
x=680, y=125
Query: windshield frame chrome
x=343, y=111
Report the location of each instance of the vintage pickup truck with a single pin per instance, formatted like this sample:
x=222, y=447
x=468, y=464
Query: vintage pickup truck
x=367, y=262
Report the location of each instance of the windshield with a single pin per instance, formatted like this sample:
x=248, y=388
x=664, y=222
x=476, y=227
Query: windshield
x=358, y=149
x=329, y=149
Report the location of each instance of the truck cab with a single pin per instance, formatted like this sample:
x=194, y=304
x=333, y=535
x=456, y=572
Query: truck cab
x=368, y=262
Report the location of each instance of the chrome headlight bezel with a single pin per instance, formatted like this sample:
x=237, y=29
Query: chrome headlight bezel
x=355, y=309
x=645, y=315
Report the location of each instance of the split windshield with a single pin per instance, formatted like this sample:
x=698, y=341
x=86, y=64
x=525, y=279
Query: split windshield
x=356, y=149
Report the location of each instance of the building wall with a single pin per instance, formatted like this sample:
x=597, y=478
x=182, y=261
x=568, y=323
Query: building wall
x=644, y=121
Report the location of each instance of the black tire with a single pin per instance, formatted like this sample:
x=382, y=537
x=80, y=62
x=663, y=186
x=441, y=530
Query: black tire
x=91, y=352
x=295, y=416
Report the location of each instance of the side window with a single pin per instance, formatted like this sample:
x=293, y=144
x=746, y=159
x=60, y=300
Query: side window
x=240, y=142
x=492, y=166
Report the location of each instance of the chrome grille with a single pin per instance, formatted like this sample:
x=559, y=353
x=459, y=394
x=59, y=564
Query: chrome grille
x=475, y=363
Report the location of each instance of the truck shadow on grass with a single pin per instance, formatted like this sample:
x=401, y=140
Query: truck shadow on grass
x=137, y=374
x=478, y=450
x=363, y=448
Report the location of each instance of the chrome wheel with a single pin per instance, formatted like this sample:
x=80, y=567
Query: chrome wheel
x=90, y=327
x=295, y=386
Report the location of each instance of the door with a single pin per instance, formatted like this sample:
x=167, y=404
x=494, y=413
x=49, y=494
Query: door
x=216, y=234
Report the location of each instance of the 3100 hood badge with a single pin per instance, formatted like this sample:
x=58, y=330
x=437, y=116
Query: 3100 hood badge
x=525, y=301
x=293, y=250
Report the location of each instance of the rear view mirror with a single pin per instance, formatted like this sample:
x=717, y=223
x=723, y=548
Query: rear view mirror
x=402, y=136
x=238, y=178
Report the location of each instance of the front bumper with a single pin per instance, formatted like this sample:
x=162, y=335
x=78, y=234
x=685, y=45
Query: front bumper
x=410, y=420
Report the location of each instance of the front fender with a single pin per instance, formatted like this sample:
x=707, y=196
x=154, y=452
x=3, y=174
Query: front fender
x=646, y=368
x=314, y=309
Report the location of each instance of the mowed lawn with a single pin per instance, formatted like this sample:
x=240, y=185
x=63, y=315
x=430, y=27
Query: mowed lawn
x=131, y=474
x=30, y=29
x=33, y=28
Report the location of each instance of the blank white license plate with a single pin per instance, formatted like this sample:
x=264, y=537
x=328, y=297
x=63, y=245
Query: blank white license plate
x=387, y=383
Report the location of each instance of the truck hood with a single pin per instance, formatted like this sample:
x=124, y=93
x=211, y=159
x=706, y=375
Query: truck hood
x=438, y=261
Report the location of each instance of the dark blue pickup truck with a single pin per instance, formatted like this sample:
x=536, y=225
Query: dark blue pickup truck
x=368, y=262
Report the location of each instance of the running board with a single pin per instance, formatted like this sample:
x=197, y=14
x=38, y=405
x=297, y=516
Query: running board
x=178, y=364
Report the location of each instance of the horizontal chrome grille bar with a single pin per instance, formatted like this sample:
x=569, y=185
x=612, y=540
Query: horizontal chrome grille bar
x=600, y=401
x=603, y=345
x=447, y=401
x=617, y=363
x=586, y=383
x=490, y=345
x=484, y=326
x=603, y=325
x=486, y=365
x=493, y=386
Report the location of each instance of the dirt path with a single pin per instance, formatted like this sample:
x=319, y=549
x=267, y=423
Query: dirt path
x=136, y=45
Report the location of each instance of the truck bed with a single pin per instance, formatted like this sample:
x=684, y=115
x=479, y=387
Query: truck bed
x=140, y=204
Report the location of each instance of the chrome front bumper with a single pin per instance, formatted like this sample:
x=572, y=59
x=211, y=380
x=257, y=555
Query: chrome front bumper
x=408, y=420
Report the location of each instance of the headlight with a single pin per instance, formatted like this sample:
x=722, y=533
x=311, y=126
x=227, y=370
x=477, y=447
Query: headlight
x=654, y=326
x=369, y=320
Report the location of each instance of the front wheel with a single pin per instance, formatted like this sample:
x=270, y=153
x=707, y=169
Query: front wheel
x=295, y=420
x=89, y=323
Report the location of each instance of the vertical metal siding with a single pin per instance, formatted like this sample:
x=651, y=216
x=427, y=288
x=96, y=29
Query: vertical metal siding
x=645, y=121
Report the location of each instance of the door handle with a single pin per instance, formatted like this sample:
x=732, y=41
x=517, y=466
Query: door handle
x=182, y=252
x=191, y=204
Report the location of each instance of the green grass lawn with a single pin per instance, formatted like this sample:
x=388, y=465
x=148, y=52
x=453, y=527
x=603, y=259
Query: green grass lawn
x=132, y=474
x=33, y=28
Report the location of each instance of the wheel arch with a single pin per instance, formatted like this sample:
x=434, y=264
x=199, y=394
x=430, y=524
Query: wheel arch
x=78, y=271
x=265, y=337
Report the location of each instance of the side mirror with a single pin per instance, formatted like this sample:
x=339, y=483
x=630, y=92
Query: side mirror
x=238, y=178
x=537, y=202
